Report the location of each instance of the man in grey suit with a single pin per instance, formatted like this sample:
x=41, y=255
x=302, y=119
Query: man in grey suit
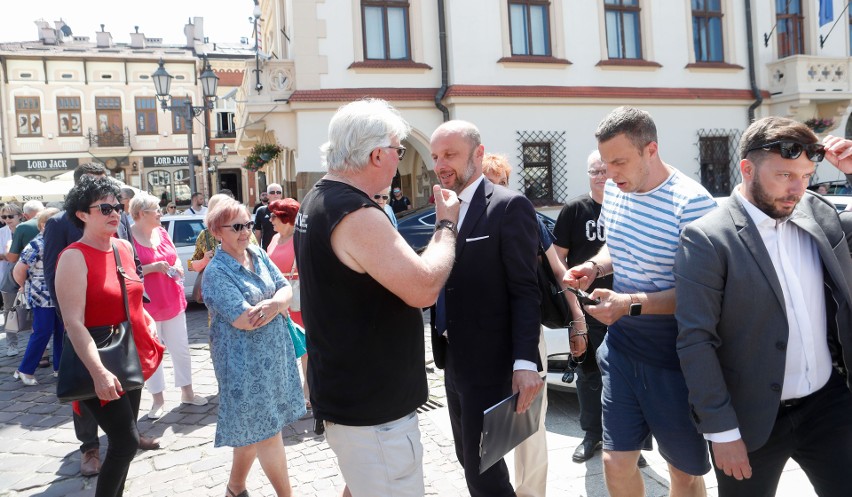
x=764, y=310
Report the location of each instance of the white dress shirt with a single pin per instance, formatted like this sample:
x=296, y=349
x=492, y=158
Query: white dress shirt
x=797, y=264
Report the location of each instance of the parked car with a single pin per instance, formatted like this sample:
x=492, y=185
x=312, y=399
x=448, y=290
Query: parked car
x=183, y=229
x=841, y=202
x=416, y=227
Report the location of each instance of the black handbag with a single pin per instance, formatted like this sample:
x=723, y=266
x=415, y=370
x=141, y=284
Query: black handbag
x=554, y=309
x=117, y=351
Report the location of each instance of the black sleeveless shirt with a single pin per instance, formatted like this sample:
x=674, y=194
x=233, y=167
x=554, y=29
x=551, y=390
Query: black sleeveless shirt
x=366, y=346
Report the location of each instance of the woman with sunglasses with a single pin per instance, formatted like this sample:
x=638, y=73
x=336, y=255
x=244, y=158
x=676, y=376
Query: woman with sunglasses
x=11, y=214
x=253, y=354
x=205, y=244
x=382, y=198
x=163, y=274
x=171, y=208
x=89, y=295
x=283, y=254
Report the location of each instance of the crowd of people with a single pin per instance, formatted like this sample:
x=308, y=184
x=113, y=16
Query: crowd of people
x=723, y=331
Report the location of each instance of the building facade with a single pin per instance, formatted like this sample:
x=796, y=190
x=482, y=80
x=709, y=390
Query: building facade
x=537, y=76
x=67, y=100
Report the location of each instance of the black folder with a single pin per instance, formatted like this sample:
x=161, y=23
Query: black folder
x=503, y=429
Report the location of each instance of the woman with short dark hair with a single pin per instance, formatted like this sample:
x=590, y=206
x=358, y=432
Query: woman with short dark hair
x=89, y=294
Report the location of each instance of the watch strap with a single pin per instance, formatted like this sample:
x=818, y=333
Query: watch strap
x=446, y=224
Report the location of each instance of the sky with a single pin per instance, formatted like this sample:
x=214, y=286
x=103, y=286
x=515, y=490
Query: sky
x=225, y=21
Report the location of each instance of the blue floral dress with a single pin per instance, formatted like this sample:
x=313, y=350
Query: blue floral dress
x=259, y=387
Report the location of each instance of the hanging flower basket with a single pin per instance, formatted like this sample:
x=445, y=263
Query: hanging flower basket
x=261, y=154
x=819, y=125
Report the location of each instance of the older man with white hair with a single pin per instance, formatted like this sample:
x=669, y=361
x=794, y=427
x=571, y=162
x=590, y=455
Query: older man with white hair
x=263, y=229
x=367, y=370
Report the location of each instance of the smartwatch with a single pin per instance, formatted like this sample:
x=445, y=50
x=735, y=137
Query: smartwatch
x=635, y=306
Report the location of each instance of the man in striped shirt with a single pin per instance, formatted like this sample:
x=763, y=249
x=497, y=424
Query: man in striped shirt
x=646, y=205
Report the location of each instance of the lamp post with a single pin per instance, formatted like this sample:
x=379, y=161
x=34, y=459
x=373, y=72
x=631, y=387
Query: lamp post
x=214, y=164
x=209, y=84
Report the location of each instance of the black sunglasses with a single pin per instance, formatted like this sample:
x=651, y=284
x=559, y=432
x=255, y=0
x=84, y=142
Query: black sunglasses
x=237, y=227
x=11, y=216
x=792, y=150
x=274, y=192
x=106, y=209
x=382, y=197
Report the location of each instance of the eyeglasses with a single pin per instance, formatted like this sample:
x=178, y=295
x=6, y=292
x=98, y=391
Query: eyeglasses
x=792, y=150
x=596, y=172
x=278, y=192
x=106, y=209
x=237, y=227
x=152, y=210
x=11, y=216
x=400, y=151
x=381, y=197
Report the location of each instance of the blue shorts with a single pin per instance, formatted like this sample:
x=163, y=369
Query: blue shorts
x=639, y=399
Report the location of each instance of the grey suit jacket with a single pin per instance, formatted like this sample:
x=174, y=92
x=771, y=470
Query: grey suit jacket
x=732, y=323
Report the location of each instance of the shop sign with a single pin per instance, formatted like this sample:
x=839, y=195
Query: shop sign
x=35, y=165
x=167, y=160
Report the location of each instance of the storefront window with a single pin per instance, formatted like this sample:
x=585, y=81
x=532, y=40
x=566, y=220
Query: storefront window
x=168, y=186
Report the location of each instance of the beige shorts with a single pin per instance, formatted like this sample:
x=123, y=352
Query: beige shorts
x=384, y=459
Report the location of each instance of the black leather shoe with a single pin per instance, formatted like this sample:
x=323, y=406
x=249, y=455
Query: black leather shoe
x=586, y=450
x=642, y=463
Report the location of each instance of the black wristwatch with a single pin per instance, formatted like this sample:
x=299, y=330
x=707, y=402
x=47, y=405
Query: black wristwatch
x=635, y=306
x=446, y=224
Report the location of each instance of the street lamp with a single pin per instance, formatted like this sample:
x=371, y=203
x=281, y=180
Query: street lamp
x=209, y=84
x=214, y=163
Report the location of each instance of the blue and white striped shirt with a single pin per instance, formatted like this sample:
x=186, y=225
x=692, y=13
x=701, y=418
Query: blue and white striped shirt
x=643, y=230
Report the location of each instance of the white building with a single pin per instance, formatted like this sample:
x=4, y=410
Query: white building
x=537, y=76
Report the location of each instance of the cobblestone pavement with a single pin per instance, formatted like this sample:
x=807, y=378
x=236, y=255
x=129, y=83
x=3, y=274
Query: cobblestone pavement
x=39, y=453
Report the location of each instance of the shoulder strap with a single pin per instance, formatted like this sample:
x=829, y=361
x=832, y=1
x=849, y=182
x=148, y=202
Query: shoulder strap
x=121, y=276
x=292, y=268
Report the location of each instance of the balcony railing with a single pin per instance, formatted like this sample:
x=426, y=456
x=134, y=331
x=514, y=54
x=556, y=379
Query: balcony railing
x=810, y=74
x=111, y=137
x=226, y=134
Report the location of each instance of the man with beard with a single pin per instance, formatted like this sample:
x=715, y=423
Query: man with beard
x=487, y=324
x=647, y=203
x=763, y=307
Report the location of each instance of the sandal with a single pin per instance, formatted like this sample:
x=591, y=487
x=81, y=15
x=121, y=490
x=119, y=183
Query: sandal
x=231, y=493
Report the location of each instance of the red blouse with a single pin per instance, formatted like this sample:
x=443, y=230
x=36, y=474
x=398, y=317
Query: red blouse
x=105, y=304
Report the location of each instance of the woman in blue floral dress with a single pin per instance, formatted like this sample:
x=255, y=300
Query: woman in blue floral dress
x=253, y=355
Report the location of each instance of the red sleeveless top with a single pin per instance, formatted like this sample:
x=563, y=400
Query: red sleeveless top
x=105, y=304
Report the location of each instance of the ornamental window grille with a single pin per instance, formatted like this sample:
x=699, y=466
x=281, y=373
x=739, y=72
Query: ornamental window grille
x=544, y=177
x=718, y=160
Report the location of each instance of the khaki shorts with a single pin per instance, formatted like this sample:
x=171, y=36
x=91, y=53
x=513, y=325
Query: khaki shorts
x=382, y=460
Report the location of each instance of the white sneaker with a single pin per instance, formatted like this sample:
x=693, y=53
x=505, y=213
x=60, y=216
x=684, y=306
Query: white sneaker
x=12, y=351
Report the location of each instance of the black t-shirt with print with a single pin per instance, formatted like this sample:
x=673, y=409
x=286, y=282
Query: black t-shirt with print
x=578, y=230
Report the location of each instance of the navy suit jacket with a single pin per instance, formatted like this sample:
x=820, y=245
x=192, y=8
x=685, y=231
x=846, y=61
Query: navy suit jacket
x=491, y=299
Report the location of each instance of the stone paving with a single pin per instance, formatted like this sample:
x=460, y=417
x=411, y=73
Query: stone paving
x=39, y=453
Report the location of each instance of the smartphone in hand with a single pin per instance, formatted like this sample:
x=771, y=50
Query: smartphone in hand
x=583, y=297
